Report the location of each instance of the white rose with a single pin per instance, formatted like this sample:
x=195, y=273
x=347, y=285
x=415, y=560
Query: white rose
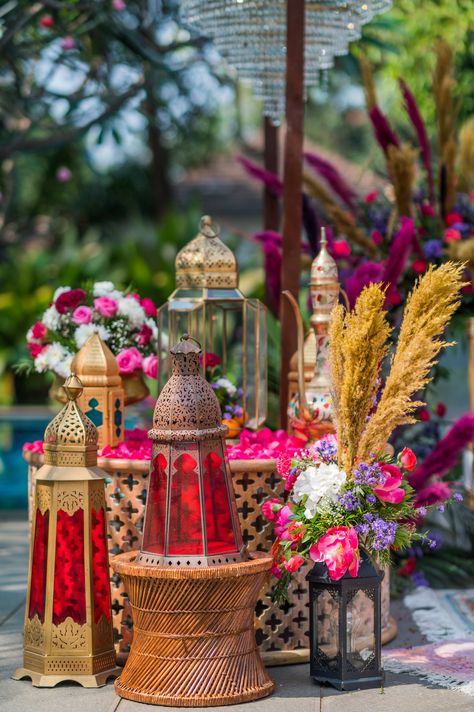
x=134, y=312
x=229, y=387
x=106, y=289
x=59, y=291
x=319, y=485
x=51, y=318
x=83, y=332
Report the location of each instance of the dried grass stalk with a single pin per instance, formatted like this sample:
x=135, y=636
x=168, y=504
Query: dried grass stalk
x=368, y=83
x=466, y=153
x=342, y=220
x=428, y=310
x=463, y=251
x=401, y=163
x=358, y=346
x=443, y=88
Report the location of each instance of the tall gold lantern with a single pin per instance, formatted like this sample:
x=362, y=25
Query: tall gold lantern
x=102, y=398
x=68, y=619
x=208, y=304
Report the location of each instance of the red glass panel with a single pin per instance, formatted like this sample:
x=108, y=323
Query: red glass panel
x=69, y=575
x=185, y=526
x=38, y=566
x=100, y=566
x=155, y=520
x=219, y=529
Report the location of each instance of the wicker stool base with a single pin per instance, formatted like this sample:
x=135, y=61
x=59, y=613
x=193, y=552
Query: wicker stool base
x=194, y=642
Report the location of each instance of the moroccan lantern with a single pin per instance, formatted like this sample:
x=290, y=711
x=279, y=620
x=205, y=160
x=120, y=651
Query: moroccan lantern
x=68, y=622
x=102, y=397
x=310, y=408
x=191, y=517
x=345, y=627
x=208, y=304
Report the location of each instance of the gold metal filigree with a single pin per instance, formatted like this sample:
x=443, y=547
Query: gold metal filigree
x=70, y=498
x=34, y=633
x=43, y=497
x=69, y=635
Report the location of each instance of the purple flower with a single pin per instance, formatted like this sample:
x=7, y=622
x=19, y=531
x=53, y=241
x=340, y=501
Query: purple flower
x=421, y=511
x=419, y=579
x=368, y=517
x=368, y=475
x=435, y=540
x=325, y=450
x=457, y=496
x=441, y=508
x=371, y=499
x=349, y=501
x=433, y=249
x=384, y=533
x=362, y=528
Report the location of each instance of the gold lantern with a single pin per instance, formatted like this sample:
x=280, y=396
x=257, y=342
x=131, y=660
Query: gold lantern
x=208, y=304
x=310, y=406
x=68, y=622
x=102, y=398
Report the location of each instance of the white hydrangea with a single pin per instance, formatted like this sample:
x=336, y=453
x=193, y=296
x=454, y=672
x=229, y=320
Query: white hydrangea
x=63, y=368
x=54, y=357
x=154, y=329
x=59, y=291
x=229, y=387
x=83, y=332
x=52, y=318
x=319, y=485
x=106, y=289
x=132, y=310
x=41, y=361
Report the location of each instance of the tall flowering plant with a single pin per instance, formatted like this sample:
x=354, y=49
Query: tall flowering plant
x=349, y=491
x=124, y=321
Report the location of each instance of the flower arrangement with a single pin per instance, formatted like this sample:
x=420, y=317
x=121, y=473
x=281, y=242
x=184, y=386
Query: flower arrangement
x=350, y=491
x=227, y=393
x=124, y=321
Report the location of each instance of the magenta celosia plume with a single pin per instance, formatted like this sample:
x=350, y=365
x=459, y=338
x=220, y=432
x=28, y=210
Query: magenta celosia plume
x=420, y=128
x=384, y=133
x=446, y=453
x=363, y=275
x=399, y=252
x=272, y=181
x=332, y=176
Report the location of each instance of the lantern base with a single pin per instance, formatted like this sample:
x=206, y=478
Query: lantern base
x=363, y=683
x=40, y=680
x=194, y=641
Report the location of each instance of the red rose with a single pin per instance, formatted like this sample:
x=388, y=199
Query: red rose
x=453, y=219
x=209, y=360
x=149, y=307
x=370, y=197
x=394, y=298
x=296, y=531
x=441, y=410
x=424, y=415
x=39, y=331
x=35, y=349
x=69, y=300
x=145, y=335
x=47, y=21
x=294, y=563
x=409, y=567
x=408, y=459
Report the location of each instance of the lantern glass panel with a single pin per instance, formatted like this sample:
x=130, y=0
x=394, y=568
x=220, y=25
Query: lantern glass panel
x=360, y=636
x=219, y=522
x=327, y=612
x=154, y=533
x=69, y=598
x=38, y=566
x=185, y=522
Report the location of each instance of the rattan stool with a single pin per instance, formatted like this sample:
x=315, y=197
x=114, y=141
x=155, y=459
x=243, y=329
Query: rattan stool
x=194, y=641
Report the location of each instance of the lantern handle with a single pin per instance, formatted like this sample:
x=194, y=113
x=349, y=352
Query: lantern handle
x=187, y=337
x=209, y=227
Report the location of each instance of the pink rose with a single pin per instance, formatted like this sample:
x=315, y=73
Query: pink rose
x=277, y=572
x=145, y=335
x=408, y=459
x=149, y=306
x=106, y=306
x=452, y=235
x=39, y=331
x=294, y=563
x=68, y=301
x=35, y=349
x=150, y=366
x=82, y=315
x=339, y=549
x=341, y=248
x=282, y=521
x=390, y=491
x=270, y=509
x=129, y=360
x=371, y=197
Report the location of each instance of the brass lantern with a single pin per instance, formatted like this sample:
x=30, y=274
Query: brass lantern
x=68, y=620
x=102, y=398
x=191, y=516
x=208, y=304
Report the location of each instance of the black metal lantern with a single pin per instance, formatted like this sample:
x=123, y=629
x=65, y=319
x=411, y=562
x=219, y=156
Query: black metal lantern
x=346, y=627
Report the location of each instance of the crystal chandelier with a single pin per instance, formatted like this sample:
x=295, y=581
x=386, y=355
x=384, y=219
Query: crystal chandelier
x=251, y=36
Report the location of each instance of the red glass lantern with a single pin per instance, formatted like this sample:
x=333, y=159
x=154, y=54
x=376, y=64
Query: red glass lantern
x=191, y=517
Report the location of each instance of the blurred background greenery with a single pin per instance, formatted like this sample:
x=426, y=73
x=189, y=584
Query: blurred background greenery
x=118, y=128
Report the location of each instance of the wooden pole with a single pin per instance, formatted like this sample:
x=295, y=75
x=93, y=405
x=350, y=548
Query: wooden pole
x=271, y=207
x=293, y=181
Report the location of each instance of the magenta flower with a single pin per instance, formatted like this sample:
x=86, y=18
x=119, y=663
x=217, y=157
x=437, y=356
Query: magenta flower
x=38, y=331
x=270, y=509
x=390, y=490
x=68, y=43
x=294, y=563
x=63, y=174
x=106, y=306
x=129, y=360
x=339, y=549
x=149, y=306
x=82, y=315
x=150, y=366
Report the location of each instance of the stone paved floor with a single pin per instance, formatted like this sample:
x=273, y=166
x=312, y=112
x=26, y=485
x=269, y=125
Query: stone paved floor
x=294, y=689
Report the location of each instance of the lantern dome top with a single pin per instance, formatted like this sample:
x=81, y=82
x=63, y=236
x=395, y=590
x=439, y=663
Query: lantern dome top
x=324, y=267
x=70, y=440
x=95, y=364
x=205, y=262
x=187, y=408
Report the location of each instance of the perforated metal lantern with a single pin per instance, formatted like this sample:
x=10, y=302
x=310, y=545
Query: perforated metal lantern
x=346, y=645
x=208, y=304
x=191, y=517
